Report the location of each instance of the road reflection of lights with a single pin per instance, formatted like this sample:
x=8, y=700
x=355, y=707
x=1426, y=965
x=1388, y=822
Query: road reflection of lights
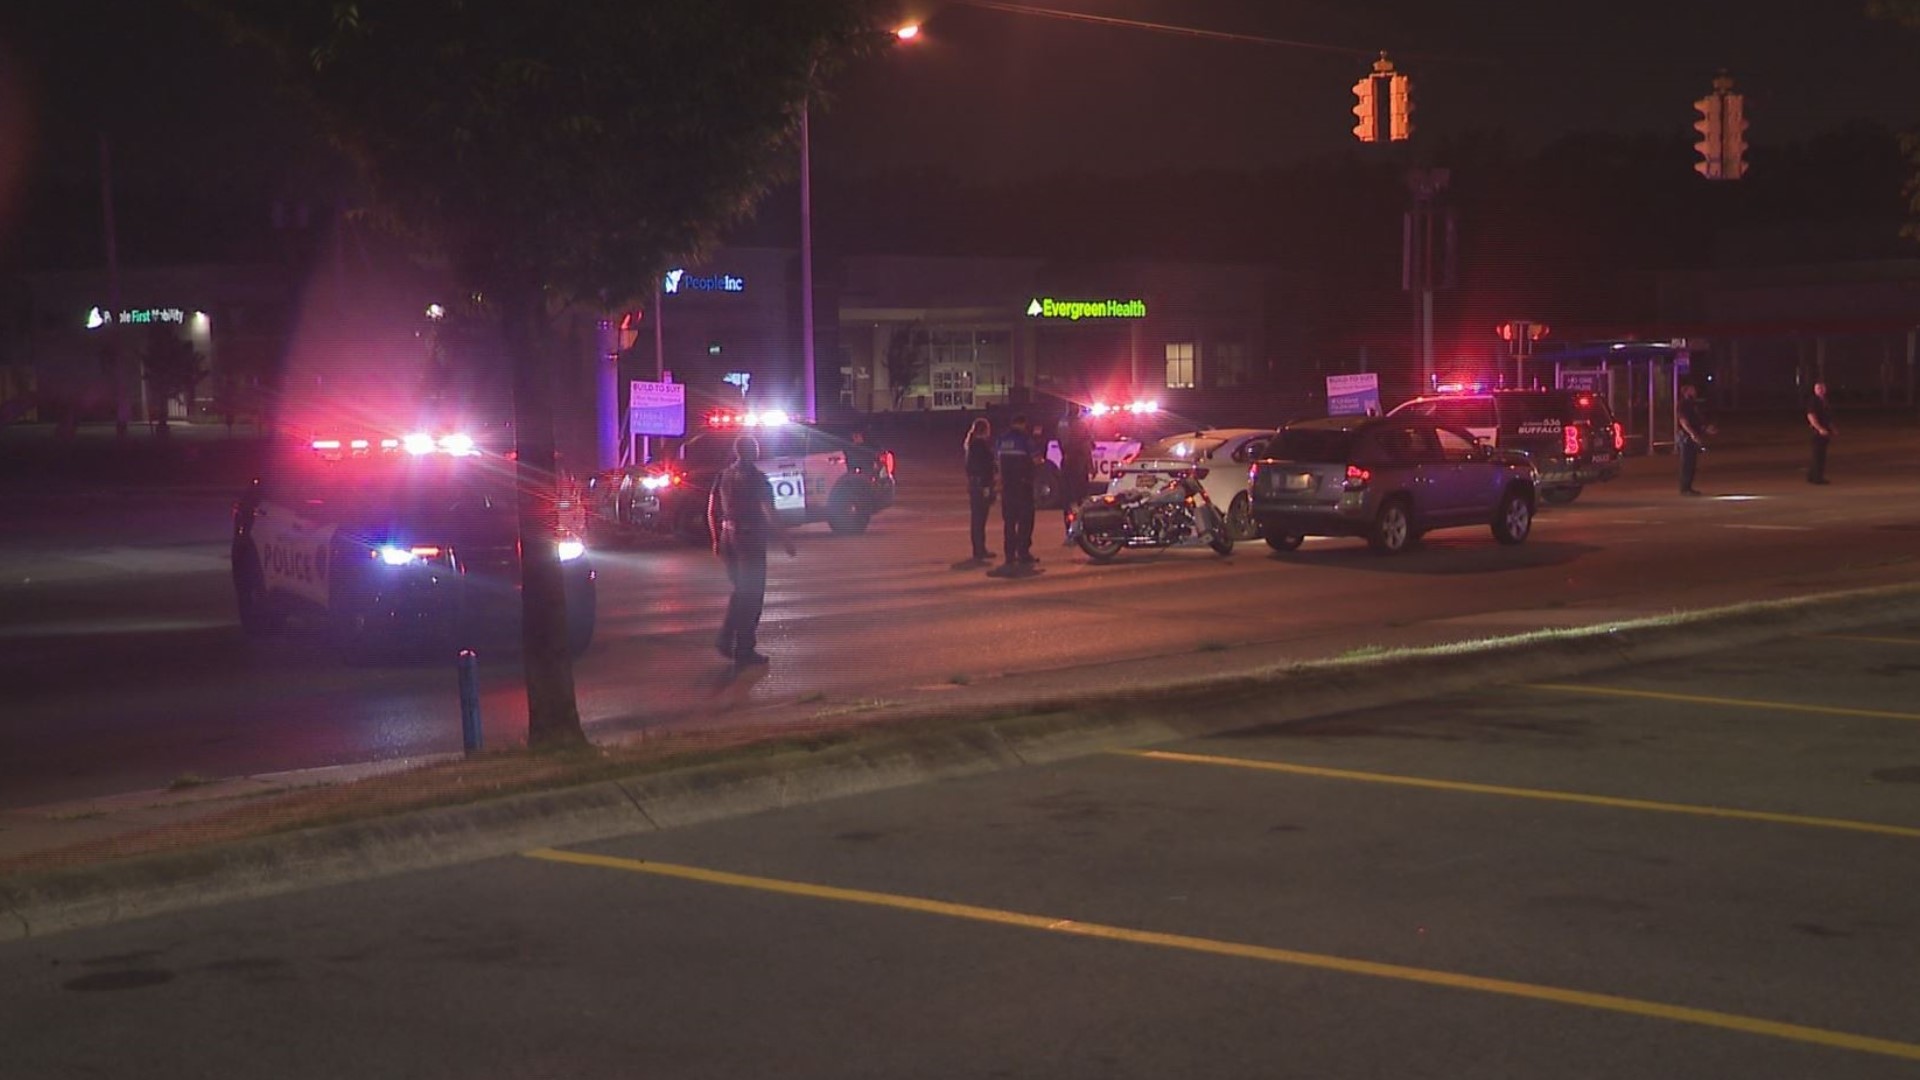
x=1737, y=498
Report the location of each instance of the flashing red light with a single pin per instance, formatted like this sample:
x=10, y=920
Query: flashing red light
x=1358, y=477
x=1584, y=401
x=1570, y=439
x=1619, y=438
x=886, y=461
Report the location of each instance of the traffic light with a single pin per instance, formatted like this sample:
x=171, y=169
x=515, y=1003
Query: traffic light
x=1367, y=111
x=1722, y=127
x=1384, y=105
x=1400, y=123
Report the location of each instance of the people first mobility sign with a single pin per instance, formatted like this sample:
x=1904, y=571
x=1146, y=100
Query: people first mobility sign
x=657, y=408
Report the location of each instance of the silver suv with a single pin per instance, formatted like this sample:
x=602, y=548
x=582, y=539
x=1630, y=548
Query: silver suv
x=1388, y=479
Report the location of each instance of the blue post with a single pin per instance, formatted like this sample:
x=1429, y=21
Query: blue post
x=469, y=700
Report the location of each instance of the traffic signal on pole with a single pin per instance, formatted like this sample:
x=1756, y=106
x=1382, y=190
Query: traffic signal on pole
x=1723, y=133
x=1400, y=97
x=1384, y=105
x=1367, y=110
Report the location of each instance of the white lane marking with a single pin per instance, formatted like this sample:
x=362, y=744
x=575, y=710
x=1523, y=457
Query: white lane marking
x=1772, y=528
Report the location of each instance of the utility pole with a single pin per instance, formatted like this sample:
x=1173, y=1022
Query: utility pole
x=116, y=358
x=1417, y=248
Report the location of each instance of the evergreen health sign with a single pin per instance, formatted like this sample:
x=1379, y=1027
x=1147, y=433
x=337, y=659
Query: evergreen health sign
x=1046, y=307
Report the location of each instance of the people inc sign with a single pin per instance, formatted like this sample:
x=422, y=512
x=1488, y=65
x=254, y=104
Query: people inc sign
x=1046, y=307
x=679, y=281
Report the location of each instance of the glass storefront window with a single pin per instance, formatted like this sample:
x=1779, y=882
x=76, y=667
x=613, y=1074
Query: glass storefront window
x=1180, y=365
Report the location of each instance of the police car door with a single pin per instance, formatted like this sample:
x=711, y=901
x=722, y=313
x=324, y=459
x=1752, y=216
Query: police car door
x=783, y=457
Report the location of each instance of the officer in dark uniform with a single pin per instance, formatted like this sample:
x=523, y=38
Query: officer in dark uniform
x=1693, y=429
x=1076, y=464
x=740, y=514
x=1820, y=420
x=1015, y=452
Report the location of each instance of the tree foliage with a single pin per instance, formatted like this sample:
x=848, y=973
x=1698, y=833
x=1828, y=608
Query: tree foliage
x=555, y=153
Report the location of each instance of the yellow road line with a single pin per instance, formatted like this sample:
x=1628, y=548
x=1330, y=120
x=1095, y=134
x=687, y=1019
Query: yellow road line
x=1542, y=794
x=1701, y=699
x=1868, y=638
x=1344, y=965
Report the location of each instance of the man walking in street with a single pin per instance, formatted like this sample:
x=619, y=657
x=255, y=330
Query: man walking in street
x=1692, y=435
x=741, y=516
x=1014, y=450
x=1820, y=419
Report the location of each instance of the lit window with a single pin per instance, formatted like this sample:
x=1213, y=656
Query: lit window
x=1180, y=365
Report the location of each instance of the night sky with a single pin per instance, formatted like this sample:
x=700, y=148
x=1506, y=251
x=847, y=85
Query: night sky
x=992, y=95
x=1004, y=95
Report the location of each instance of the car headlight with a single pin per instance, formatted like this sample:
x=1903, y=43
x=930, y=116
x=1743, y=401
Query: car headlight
x=396, y=555
x=571, y=550
x=656, y=482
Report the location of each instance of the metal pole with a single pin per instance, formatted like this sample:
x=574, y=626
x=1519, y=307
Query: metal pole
x=806, y=257
x=122, y=397
x=469, y=701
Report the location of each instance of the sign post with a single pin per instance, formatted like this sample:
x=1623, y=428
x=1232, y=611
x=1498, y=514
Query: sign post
x=655, y=408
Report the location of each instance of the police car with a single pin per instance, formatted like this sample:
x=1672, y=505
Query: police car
x=394, y=544
x=1120, y=430
x=816, y=476
x=1570, y=435
x=1226, y=456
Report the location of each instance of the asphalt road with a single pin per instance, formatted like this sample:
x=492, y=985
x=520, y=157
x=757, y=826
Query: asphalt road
x=127, y=670
x=1695, y=869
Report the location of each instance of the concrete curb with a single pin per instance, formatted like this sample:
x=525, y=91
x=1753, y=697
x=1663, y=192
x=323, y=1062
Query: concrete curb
x=880, y=756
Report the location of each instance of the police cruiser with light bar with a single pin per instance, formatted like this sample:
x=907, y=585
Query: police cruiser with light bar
x=816, y=476
x=398, y=544
x=1571, y=436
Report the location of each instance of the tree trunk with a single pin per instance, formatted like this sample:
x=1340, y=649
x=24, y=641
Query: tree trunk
x=553, y=715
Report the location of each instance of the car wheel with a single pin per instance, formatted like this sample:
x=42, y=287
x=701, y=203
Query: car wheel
x=1515, y=518
x=1393, y=529
x=1284, y=543
x=847, y=512
x=1240, y=520
x=1561, y=496
x=1046, y=487
x=1101, y=549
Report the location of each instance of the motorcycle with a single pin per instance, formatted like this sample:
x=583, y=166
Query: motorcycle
x=1173, y=513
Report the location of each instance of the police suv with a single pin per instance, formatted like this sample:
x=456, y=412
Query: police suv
x=816, y=476
x=1571, y=436
x=395, y=544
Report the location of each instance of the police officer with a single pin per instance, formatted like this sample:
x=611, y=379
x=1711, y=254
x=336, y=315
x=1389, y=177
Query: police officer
x=740, y=514
x=981, y=470
x=1015, y=452
x=1076, y=464
x=1692, y=436
x=1820, y=421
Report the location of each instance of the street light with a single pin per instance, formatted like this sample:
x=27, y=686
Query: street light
x=904, y=34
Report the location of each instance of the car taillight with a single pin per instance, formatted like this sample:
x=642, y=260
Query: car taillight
x=886, y=461
x=1619, y=438
x=1570, y=439
x=1357, y=477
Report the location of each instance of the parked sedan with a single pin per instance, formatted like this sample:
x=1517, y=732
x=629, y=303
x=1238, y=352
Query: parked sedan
x=1225, y=454
x=1388, y=479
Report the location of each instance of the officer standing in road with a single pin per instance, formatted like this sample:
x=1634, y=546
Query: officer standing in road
x=1076, y=464
x=1820, y=419
x=741, y=516
x=1692, y=435
x=1016, y=456
x=981, y=470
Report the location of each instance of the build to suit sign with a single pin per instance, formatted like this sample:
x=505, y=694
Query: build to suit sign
x=1353, y=395
x=657, y=408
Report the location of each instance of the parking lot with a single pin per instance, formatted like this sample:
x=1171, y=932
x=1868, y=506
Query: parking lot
x=1705, y=868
